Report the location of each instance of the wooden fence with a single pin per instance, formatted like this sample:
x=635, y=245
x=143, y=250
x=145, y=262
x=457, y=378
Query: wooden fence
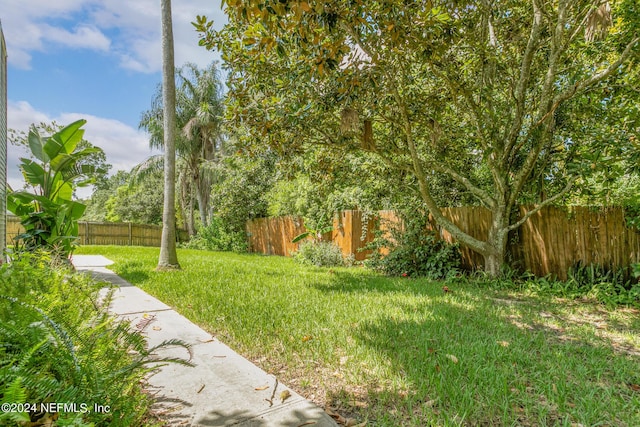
x=106, y=233
x=550, y=242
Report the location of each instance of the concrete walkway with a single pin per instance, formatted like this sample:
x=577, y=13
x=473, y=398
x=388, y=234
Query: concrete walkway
x=223, y=389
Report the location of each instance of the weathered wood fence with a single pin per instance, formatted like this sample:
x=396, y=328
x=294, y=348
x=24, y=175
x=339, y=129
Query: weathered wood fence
x=105, y=233
x=550, y=242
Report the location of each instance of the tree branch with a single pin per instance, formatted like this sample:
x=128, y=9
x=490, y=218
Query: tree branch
x=523, y=82
x=446, y=223
x=547, y=202
x=484, y=197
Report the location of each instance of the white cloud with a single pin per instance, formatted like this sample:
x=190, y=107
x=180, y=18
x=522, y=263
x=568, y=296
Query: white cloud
x=128, y=29
x=123, y=145
x=83, y=36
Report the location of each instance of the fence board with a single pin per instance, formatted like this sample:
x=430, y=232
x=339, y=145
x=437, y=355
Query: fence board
x=106, y=233
x=550, y=242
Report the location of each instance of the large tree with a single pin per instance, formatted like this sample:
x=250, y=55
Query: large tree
x=168, y=254
x=474, y=90
x=199, y=136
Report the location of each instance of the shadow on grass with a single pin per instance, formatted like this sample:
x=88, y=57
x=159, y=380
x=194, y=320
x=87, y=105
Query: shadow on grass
x=132, y=271
x=462, y=365
x=359, y=281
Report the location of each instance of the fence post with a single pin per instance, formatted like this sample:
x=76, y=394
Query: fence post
x=130, y=236
x=86, y=233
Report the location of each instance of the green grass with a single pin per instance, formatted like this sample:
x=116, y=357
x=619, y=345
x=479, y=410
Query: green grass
x=401, y=352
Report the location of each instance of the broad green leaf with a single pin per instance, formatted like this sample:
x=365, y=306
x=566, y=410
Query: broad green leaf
x=65, y=140
x=301, y=236
x=36, y=145
x=33, y=173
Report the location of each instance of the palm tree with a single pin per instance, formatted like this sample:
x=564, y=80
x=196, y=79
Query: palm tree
x=198, y=134
x=168, y=255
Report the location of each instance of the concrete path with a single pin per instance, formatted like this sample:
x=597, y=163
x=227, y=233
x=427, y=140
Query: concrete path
x=223, y=389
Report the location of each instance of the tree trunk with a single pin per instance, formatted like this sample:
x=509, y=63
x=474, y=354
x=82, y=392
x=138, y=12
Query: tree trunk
x=202, y=203
x=192, y=222
x=494, y=259
x=168, y=255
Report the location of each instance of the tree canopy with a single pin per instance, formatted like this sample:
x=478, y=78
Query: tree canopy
x=486, y=93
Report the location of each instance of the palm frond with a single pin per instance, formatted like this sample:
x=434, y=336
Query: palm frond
x=149, y=167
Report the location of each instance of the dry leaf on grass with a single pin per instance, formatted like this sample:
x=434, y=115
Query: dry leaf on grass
x=503, y=343
x=342, y=421
x=264, y=387
x=452, y=358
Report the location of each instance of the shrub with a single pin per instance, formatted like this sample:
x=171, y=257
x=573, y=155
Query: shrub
x=59, y=344
x=49, y=215
x=217, y=237
x=593, y=281
x=319, y=253
x=414, y=251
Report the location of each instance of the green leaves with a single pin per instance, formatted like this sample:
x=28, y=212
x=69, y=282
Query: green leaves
x=49, y=216
x=65, y=140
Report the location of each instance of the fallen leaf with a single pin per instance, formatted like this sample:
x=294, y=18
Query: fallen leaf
x=350, y=422
x=431, y=350
x=446, y=290
x=503, y=343
x=157, y=328
x=147, y=316
x=307, y=338
x=264, y=387
x=452, y=358
x=284, y=395
x=305, y=6
x=337, y=417
x=634, y=387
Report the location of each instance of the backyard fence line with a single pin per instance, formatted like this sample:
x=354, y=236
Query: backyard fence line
x=549, y=242
x=105, y=233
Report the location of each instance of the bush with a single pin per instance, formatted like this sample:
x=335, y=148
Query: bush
x=217, y=237
x=320, y=254
x=414, y=251
x=584, y=282
x=593, y=281
x=59, y=344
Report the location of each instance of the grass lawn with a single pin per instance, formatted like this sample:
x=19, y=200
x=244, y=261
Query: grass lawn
x=401, y=352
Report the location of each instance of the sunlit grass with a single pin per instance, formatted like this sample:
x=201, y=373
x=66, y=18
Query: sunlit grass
x=401, y=352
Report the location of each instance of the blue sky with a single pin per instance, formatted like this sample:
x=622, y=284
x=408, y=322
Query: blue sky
x=93, y=59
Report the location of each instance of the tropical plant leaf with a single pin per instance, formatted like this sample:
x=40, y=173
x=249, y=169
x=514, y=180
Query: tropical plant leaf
x=301, y=236
x=33, y=173
x=66, y=140
x=36, y=145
